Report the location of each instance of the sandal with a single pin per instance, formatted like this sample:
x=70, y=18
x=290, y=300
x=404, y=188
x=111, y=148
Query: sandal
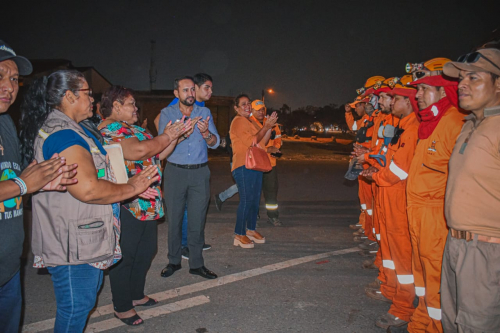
x=150, y=302
x=130, y=320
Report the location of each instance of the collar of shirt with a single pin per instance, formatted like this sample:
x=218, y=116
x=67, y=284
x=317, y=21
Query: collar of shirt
x=176, y=100
x=192, y=150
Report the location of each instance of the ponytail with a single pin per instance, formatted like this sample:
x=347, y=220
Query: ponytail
x=34, y=112
x=43, y=95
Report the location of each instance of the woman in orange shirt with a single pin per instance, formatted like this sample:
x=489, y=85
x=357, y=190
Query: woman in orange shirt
x=243, y=131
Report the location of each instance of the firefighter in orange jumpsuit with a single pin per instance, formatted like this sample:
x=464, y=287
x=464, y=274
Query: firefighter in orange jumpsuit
x=270, y=178
x=394, y=234
x=353, y=125
x=440, y=124
x=380, y=115
x=363, y=140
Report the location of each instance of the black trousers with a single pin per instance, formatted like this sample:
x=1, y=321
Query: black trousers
x=138, y=242
x=270, y=189
x=191, y=186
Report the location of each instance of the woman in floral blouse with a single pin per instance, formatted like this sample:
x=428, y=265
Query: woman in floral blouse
x=138, y=215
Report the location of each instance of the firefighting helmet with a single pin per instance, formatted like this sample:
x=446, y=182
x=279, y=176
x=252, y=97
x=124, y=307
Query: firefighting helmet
x=428, y=68
x=372, y=82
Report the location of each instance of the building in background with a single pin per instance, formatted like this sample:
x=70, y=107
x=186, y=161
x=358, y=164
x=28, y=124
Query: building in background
x=149, y=103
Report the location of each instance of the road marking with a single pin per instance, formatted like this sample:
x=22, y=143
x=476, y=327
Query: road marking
x=319, y=216
x=151, y=313
x=200, y=286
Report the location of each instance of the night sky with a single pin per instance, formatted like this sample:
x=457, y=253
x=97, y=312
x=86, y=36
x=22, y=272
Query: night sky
x=309, y=52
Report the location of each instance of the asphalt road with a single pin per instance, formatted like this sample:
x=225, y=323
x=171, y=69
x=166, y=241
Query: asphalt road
x=296, y=282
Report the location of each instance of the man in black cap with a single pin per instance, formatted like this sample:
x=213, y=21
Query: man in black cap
x=14, y=183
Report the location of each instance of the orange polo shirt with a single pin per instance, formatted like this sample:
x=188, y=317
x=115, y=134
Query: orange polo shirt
x=242, y=133
x=276, y=142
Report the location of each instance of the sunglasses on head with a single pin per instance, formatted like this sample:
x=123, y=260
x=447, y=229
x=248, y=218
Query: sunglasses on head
x=473, y=57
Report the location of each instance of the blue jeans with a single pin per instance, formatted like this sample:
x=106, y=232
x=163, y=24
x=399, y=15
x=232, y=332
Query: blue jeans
x=228, y=193
x=184, y=242
x=249, y=185
x=76, y=290
x=10, y=305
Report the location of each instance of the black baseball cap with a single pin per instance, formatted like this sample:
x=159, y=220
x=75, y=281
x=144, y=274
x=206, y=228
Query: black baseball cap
x=23, y=65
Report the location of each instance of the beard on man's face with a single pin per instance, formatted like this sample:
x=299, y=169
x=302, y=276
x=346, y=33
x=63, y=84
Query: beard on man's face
x=188, y=101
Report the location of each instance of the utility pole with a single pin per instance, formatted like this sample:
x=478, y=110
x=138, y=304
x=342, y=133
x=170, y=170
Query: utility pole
x=152, y=67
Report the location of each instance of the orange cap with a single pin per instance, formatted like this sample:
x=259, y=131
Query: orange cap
x=258, y=104
x=356, y=101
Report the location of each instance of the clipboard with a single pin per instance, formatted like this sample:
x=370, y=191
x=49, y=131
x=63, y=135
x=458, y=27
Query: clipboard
x=117, y=162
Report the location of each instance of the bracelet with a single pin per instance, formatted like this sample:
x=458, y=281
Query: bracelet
x=21, y=184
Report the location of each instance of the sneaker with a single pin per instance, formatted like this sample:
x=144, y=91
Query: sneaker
x=274, y=221
x=374, y=284
x=369, y=264
x=369, y=245
x=218, y=202
x=206, y=247
x=359, y=232
x=360, y=238
x=387, y=319
x=366, y=253
x=185, y=253
x=377, y=294
x=398, y=329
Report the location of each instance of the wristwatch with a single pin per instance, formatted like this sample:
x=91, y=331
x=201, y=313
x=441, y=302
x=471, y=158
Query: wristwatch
x=208, y=137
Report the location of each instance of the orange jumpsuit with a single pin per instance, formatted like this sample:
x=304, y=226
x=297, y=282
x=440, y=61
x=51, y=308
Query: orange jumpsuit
x=425, y=191
x=354, y=126
x=365, y=185
x=394, y=234
x=380, y=118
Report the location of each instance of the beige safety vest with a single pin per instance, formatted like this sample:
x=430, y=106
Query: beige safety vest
x=67, y=231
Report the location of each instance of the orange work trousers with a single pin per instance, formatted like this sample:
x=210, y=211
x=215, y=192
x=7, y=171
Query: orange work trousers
x=376, y=231
x=396, y=251
x=366, y=201
x=428, y=233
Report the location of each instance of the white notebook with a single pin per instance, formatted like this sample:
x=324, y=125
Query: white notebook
x=117, y=161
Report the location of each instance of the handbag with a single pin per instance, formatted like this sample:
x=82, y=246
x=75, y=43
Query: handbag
x=257, y=159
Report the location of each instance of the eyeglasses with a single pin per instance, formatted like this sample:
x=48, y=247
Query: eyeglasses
x=473, y=57
x=87, y=89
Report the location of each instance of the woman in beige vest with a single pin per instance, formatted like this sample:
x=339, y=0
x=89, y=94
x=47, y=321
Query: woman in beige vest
x=75, y=233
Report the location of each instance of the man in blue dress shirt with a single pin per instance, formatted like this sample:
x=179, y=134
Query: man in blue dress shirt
x=187, y=178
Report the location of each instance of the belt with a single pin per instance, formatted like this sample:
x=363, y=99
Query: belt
x=468, y=236
x=189, y=166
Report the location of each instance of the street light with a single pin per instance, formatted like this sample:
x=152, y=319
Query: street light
x=270, y=91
